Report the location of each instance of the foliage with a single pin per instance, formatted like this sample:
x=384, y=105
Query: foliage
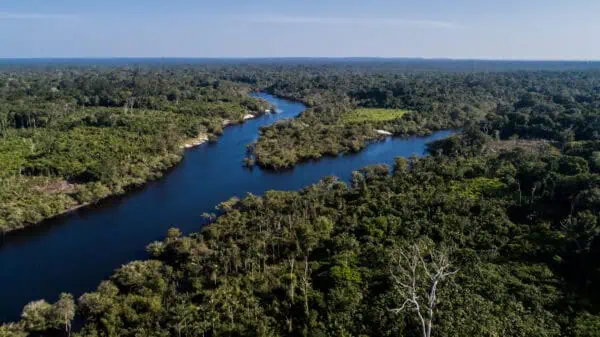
x=42, y=316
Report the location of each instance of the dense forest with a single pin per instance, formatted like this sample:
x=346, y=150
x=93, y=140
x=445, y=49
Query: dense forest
x=480, y=243
x=71, y=136
x=494, y=234
x=550, y=105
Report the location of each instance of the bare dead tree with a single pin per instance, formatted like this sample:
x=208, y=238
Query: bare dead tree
x=417, y=273
x=306, y=285
x=129, y=104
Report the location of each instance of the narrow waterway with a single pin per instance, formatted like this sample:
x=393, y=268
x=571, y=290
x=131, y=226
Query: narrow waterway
x=73, y=253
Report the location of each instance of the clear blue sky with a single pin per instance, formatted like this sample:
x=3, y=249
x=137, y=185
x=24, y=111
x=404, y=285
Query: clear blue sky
x=514, y=29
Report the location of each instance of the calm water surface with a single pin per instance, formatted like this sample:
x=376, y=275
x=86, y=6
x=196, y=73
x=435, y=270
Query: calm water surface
x=73, y=253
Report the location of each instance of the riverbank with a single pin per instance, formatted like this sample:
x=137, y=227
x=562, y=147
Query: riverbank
x=84, y=195
x=193, y=142
x=73, y=201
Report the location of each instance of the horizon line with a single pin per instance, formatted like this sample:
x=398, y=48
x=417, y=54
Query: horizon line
x=3, y=58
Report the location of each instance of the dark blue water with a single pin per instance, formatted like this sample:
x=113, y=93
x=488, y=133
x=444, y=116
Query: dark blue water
x=74, y=253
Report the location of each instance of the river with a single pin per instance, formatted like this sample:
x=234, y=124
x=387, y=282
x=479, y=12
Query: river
x=74, y=252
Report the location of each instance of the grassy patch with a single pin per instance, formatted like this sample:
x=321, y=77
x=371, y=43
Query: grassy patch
x=373, y=115
x=473, y=189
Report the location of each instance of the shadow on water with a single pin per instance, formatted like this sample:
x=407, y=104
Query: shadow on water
x=74, y=252
x=24, y=235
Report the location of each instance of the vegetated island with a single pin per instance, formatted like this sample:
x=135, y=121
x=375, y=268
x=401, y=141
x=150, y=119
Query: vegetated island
x=349, y=109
